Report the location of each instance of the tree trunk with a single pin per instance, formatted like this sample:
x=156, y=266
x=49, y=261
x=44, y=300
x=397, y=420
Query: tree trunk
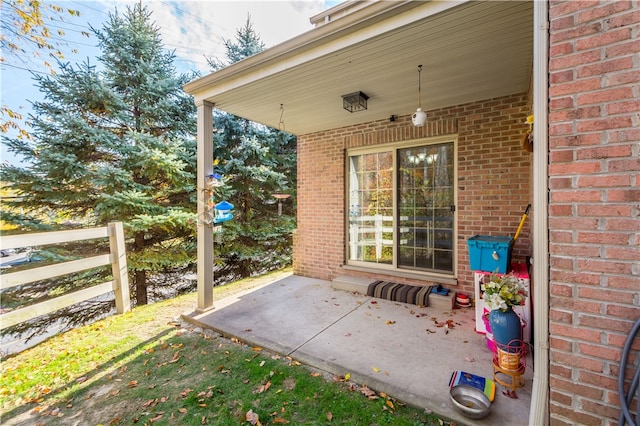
x=140, y=276
x=140, y=280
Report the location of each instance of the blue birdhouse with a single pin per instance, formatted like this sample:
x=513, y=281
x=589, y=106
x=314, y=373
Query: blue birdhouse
x=214, y=180
x=223, y=212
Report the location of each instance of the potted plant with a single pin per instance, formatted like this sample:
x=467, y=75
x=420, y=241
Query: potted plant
x=501, y=294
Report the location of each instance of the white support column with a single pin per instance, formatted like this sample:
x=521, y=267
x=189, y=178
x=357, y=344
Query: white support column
x=205, y=232
x=539, y=408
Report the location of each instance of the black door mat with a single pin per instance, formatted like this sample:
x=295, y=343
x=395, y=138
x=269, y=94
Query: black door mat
x=404, y=293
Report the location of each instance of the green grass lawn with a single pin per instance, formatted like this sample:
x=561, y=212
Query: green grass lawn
x=146, y=367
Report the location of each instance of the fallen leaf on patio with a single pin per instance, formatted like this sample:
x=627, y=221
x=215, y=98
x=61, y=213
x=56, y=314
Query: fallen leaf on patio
x=248, y=330
x=347, y=334
x=344, y=378
x=373, y=302
x=430, y=331
x=389, y=322
x=315, y=374
x=256, y=349
x=510, y=394
x=252, y=417
x=469, y=359
x=329, y=415
x=383, y=395
x=376, y=369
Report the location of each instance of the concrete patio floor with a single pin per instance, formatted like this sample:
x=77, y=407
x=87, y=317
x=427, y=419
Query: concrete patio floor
x=391, y=347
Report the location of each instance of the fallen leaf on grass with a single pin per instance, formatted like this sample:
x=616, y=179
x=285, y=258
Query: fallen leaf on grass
x=329, y=415
x=263, y=388
x=370, y=394
x=156, y=418
x=280, y=420
x=132, y=384
x=81, y=379
x=115, y=392
x=256, y=349
x=182, y=410
x=315, y=374
x=176, y=357
x=390, y=404
x=252, y=417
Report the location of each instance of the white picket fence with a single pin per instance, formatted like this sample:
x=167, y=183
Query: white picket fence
x=116, y=258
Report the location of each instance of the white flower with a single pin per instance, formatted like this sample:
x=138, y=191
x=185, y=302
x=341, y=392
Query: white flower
x=503, y=292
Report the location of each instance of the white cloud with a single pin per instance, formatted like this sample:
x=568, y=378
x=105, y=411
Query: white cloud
x=196, y=28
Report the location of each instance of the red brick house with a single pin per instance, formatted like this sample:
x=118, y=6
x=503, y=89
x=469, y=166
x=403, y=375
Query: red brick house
x=486, y=67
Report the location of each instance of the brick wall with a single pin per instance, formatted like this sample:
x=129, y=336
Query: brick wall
x=493, y=181
x=594, y=228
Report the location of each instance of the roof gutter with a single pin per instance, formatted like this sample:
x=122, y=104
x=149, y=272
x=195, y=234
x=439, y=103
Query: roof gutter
x=538, y=412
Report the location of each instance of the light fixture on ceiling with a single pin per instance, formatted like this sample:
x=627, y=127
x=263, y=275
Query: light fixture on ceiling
x=353, y=102
x=419, y=117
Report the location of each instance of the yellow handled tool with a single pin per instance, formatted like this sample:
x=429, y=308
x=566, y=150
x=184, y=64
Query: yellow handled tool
x=524, y=217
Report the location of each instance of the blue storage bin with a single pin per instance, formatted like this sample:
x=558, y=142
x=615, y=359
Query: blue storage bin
x=490, y=254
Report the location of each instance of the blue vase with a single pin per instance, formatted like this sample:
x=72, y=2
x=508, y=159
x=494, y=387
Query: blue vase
x=506, y=328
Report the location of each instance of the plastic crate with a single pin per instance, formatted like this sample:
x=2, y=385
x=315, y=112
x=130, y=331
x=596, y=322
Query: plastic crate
x=490, y=254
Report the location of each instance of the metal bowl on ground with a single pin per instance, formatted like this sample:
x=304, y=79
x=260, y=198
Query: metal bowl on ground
x=470, y=401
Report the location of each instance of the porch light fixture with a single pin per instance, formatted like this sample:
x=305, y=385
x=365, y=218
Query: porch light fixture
x=354, y=102
x=419, y=117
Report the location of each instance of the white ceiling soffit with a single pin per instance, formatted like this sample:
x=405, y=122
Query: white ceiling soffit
x=469, y=51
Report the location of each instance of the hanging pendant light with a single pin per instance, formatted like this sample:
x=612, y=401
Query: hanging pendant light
x=419, y=117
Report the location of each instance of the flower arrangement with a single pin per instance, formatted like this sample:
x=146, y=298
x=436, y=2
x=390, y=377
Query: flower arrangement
x=503, y=292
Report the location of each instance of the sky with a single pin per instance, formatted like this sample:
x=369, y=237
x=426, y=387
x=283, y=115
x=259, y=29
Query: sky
x=190, y=28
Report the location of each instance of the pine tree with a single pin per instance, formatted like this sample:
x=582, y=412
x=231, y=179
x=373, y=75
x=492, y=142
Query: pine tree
x=116, y=143
x=257, y=163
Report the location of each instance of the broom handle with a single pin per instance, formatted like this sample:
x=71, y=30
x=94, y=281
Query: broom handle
x=524, y=217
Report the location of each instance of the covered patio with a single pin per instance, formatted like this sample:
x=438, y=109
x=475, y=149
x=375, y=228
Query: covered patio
x=479, y=60
x=399, y=349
